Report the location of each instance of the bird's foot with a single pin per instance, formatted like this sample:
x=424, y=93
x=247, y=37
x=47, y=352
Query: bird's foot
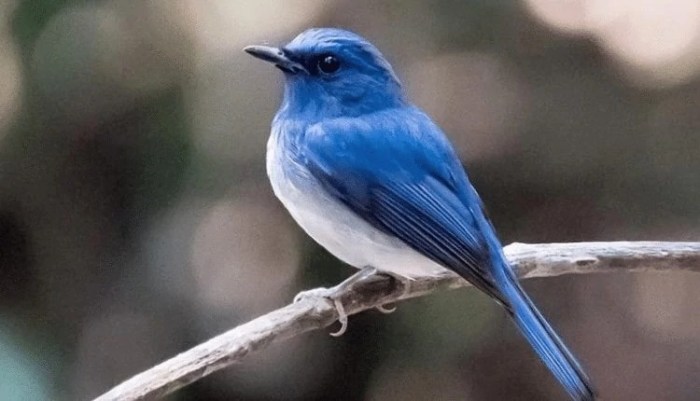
x=330, y=294
x=396, y=280
x=333, y=294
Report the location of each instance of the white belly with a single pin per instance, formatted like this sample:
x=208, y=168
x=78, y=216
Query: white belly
x=335, y=227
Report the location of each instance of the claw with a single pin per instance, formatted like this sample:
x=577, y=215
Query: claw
x=383, y=309
x=342, y=319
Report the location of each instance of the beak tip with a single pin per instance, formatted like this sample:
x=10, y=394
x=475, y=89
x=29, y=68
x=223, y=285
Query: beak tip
x=266, y=53
x=276, y=56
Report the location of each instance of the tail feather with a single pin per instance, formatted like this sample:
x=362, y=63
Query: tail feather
x=546, y=343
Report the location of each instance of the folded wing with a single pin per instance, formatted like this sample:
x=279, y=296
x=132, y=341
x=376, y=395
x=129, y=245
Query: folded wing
x=405, y=182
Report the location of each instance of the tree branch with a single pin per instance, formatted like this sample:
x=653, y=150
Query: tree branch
x=529, y=261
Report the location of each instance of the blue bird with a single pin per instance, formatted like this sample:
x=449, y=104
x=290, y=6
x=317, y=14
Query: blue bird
x=375, y=181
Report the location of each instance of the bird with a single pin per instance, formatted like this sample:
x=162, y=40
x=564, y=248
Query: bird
x=369, y=176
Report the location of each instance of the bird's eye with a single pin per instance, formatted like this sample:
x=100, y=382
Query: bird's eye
x=328, y=64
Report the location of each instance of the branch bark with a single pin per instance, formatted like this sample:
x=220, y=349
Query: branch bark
x=528, y=260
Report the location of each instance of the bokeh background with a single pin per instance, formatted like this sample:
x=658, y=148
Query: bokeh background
x=136, y=219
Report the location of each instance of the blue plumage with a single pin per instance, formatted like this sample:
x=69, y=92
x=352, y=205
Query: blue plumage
x=408, y=184
x=372, y=178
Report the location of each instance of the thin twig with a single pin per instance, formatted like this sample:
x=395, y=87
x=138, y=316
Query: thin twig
x=534, y=260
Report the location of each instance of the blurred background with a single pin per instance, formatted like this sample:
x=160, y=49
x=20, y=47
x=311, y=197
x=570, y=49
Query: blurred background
x=136, y=219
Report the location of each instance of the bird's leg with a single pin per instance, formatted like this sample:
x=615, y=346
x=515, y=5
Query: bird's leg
x=338, y=289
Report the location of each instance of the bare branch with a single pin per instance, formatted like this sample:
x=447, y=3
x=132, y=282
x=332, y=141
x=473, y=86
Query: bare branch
x=535, y=260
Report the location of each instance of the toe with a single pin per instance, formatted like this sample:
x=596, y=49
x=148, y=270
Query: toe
x=342, y=319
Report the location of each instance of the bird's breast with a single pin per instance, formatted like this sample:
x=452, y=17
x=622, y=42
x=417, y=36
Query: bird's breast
x=329, y=222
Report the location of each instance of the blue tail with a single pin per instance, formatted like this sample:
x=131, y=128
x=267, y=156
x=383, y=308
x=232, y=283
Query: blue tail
x=544, y=340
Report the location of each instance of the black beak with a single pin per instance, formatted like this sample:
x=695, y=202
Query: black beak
x=276, y=56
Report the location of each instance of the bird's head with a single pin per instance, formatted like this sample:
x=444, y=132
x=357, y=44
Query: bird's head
x=332, y=73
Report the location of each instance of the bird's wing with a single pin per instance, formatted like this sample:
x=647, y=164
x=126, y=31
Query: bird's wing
x=399, y=173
